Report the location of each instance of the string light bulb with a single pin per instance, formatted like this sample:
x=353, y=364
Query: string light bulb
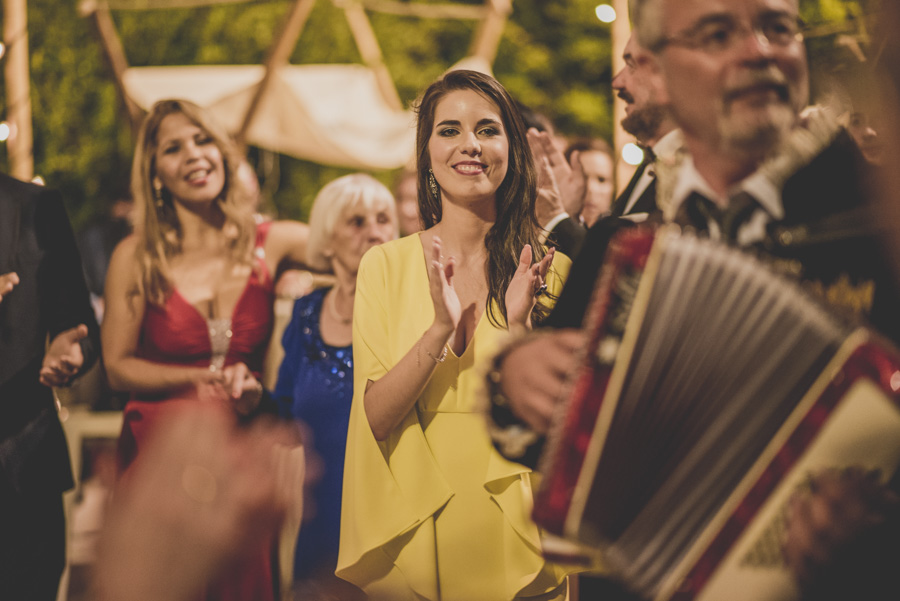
x=605, y=13
x=5, y=131
x=632, y=154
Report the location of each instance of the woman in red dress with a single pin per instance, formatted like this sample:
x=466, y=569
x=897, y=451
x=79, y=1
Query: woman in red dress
x=189, y=294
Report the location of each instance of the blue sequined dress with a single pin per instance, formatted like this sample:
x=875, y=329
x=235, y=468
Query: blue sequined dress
x=315, y=385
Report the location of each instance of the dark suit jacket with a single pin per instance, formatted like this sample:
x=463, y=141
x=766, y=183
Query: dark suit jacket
x=572, y=303
x=567, y=237
x=36, y=242
x=830, y=234
x=646, y=202
x=576, y=294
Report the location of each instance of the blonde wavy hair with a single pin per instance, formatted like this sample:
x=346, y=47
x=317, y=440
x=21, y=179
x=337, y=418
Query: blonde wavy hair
x=156, y=224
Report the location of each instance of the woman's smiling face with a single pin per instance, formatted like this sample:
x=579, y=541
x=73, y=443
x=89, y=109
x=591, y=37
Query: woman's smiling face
x=468, y=147
x=188, y=162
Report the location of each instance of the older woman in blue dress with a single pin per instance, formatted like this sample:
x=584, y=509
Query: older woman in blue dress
x=315, y=382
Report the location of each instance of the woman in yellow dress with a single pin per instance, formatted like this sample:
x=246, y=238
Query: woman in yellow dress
x=430, y=510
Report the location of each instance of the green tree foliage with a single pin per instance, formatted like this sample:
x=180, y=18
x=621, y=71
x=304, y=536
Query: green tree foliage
x=555, y=56
x=839, y=40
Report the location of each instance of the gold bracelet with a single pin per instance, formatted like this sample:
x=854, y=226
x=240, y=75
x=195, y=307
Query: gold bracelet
x=442, y=356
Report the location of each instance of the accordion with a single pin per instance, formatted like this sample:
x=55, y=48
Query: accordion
x=709, y=390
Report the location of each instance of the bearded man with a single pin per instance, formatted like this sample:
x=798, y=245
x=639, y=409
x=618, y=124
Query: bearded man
x=639, y=85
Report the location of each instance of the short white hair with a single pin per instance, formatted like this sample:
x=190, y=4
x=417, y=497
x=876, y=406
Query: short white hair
x=349, y=191
x=649, y=23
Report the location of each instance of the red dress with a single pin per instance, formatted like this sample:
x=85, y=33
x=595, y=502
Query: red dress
x=177, y=334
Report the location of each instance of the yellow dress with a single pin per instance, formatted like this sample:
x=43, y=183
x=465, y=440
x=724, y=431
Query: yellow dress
x=433, y=512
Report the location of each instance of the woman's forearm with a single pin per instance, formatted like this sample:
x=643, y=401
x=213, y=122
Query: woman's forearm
x=139, y=375
x=388, y=400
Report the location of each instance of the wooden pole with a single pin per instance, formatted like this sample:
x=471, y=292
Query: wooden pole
x=427, y=11
x=621, y=31
x=487, y=40
x=368, y=46
x=278, y=56
x=18, y=91
x=115, y=54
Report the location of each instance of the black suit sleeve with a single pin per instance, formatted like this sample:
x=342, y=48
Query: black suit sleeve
x=63, y=295
x=567, y=236
x=576, y=295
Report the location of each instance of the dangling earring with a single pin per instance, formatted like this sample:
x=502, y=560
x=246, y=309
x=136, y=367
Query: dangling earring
x=157, y=192
x=432, y=183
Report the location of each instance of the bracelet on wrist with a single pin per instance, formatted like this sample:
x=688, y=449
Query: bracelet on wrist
x=440, y=358
x=437, y=359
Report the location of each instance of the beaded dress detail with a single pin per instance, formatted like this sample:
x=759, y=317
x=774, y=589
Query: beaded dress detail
x=219, y=341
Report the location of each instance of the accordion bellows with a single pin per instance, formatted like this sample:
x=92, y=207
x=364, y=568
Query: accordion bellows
x=710, y=388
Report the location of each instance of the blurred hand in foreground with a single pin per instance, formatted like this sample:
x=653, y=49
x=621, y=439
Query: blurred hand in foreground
x=8, y=281
x=202, y=495
x=843, y=537
x=534, y=372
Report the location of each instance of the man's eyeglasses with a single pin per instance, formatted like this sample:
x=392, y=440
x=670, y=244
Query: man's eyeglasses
x=720, y=34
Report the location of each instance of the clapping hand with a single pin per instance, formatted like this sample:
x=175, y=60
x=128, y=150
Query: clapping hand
x=549, y=202
x=447, y=308
x=201, y=496
x=64, y=357
x=566, y=178
x=528, y=283
x=8, y=281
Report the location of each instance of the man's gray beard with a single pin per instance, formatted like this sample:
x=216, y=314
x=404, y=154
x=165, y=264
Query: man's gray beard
x=760, y=138
x=644, y=123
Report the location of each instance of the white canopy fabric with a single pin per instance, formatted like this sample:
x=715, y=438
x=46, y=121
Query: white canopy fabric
x=158, y=4
x=331, y=114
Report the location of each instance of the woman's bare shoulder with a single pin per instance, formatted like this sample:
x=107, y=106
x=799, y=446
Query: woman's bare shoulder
x=126, y=249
